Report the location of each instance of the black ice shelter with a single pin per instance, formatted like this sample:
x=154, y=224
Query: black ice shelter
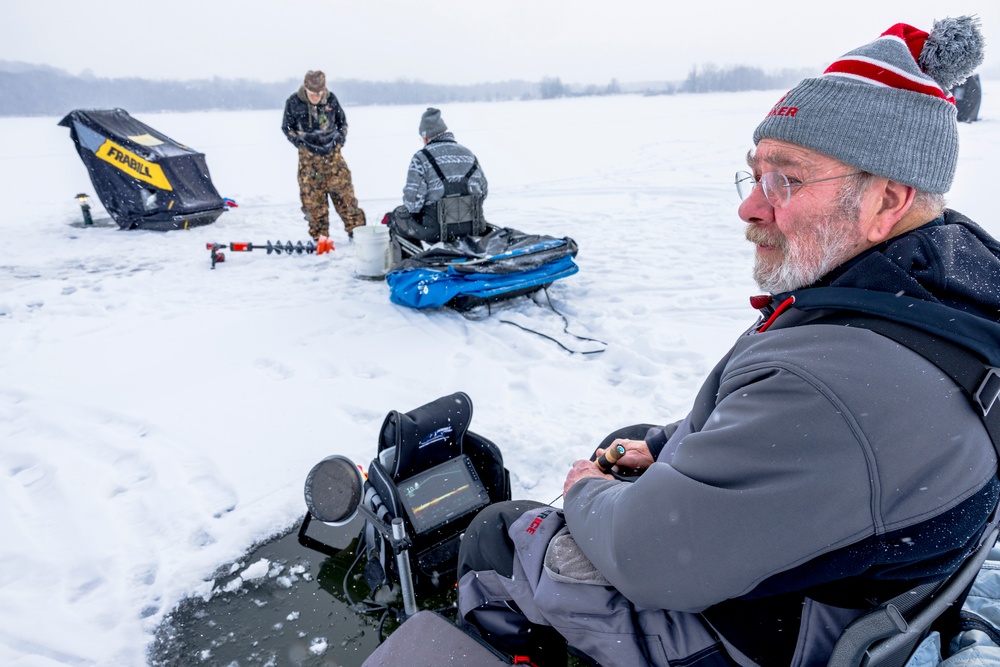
x=144, y=179
x=968, y=97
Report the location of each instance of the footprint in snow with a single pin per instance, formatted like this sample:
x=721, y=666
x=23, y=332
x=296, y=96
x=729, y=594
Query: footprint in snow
x=217, y=497
x=274, y=369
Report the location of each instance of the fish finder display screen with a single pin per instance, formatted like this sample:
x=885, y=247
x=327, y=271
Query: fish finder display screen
x=442, y=493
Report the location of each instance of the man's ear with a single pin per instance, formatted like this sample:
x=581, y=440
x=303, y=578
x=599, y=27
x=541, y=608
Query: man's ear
x=892, y=201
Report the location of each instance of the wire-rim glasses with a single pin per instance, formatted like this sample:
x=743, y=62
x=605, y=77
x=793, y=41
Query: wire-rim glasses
x=778, y=189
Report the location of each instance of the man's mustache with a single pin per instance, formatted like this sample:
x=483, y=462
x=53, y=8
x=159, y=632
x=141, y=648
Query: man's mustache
x=758, y=236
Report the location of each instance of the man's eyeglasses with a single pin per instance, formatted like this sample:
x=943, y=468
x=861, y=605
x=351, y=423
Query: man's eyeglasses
x=778, y=189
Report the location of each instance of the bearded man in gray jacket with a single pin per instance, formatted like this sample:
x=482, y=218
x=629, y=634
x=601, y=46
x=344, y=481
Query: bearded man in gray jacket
x=823, y=469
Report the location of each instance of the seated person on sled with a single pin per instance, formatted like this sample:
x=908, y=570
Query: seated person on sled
x=443, y=172
x=823, y=469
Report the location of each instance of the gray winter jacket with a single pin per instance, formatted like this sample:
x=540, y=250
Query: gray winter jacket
x=822, y=469
x=424, y=187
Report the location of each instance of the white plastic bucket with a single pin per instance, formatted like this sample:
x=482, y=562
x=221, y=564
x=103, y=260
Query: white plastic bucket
x=371, y=244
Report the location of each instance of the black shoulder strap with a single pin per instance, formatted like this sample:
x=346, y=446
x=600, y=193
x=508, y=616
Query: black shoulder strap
x=434, y=163
x=980, y=381
x=475, y=165
x=444, y=180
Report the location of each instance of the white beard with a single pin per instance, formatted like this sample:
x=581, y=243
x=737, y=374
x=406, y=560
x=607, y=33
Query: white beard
x=806, y=259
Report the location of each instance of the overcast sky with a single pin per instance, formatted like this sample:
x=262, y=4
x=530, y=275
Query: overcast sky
x=454, y=41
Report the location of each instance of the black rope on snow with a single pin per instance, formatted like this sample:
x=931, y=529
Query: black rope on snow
x=539, y=333
x=467, y=314
x=565, y=329
x=489, y=312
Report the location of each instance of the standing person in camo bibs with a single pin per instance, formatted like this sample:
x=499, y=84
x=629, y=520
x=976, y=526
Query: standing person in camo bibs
x=316, y=124
x=441, y=160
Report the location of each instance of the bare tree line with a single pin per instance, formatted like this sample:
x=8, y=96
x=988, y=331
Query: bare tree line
x=27, y=90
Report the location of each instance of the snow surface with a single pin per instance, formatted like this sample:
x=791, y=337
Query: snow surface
x=158, y=417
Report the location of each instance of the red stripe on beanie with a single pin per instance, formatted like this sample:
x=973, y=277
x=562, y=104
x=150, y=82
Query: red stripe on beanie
x=886, y=77
x=914, y=38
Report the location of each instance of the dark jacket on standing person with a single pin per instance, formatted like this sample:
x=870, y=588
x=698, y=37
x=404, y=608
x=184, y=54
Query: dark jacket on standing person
x=320, y=128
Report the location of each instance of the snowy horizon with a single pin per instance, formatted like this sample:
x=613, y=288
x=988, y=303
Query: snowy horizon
x=158, y=417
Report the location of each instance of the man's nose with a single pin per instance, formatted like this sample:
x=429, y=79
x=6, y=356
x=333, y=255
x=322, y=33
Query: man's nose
x=755, y=208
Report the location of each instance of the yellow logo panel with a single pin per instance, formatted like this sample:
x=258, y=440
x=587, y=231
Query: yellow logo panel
x=133, y=165
x=145, y=139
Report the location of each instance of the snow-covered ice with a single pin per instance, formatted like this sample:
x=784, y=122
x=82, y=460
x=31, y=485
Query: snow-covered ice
x=158, y=417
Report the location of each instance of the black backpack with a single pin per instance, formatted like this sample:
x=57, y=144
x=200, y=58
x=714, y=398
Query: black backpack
x=458, y=213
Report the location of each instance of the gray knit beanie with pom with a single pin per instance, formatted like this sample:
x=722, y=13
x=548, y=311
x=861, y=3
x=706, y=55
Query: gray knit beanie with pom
x=431, y=124
x=886, y=107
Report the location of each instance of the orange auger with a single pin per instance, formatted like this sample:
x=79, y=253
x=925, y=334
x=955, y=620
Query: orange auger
x=323, y=245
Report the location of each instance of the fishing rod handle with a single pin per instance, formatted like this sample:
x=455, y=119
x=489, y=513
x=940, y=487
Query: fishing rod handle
x=610, y=457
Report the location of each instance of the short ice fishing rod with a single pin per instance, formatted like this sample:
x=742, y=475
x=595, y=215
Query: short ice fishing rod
x=323, y=245
x=610, y=457
x=604, y=462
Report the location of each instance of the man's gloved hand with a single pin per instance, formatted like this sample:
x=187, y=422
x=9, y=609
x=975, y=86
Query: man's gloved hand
x=326, y=140
x=337, y=137
x=295, y=138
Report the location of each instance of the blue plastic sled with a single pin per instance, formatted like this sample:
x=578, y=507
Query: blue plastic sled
x=472, y=271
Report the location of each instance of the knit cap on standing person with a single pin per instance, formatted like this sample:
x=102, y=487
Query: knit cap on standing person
x=315, y=81
x=887, y=107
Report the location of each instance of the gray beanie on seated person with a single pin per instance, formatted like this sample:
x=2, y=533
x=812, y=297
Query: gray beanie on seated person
x=886, y=107
x=431, y=124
